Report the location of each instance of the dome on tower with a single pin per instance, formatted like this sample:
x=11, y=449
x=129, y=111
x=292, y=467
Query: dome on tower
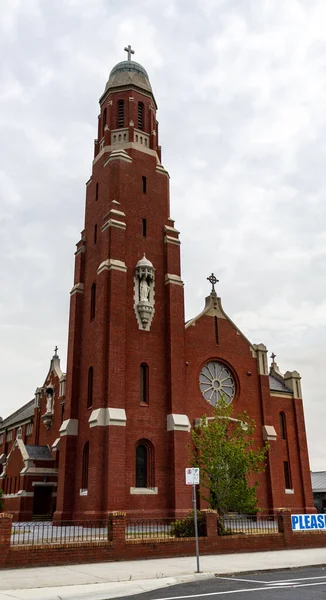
x=128, y=73
x=144, y=262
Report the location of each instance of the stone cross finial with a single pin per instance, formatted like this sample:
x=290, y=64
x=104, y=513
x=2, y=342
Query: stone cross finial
x=130, y=51
x=212, y=279
x=56, y=352
x=273, y=356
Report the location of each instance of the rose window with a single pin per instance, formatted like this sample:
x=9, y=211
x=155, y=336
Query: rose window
x=216, y=382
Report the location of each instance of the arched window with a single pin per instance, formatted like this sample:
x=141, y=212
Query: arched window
x=104, y=121
x=85, y=462
x=140, y=116
x=144, y=388
x=93, y=301
x=90, y=387
x=282, y=426
x=121, y=113
x=144, y=464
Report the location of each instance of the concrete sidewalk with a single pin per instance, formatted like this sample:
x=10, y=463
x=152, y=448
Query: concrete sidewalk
x=102, y=581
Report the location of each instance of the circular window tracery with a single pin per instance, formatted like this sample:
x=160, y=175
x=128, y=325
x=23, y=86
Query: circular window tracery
x=216, y=382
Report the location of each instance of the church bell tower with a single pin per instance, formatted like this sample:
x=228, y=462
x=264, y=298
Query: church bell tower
x=123, y=443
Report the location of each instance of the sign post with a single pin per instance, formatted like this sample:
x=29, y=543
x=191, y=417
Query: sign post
x=192, y=478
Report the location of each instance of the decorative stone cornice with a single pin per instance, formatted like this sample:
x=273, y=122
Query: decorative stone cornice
x=113, y=223
x=112, y=265
x=269, y=433
x=160, y=169
x=168, y=239
x=103, y=417
x=77, y=289
x=118, y=155
x=173, y=279
x=176, y=422
x=69, y=427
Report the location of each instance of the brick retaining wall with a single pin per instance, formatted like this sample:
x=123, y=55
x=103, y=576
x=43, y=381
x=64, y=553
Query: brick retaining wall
x=117, y=548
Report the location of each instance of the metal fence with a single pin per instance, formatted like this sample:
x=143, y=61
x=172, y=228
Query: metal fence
x=247, y=524
x=149, y=529
x=34, y=533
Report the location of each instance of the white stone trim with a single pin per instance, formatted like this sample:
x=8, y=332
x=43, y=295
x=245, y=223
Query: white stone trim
x=128, y=146
x=80, y=250
x=77, y=289
x=117, y=155
x=168, y=239
x=56, y=445
x=292, y=381
x=288, y=491
x=20, y=494
x=144, y=491
x=269, y=433
x=175, y=279
x=113, y=223
x=261, y=355
x=102, y=417
x=30, y=471
x=69, y=427
x=160, y=169
x=117, y=213
x=172, y=229
x=176, y=422
x=44, y=484
x=112, y=264
x=83, y=492
x=288, y=395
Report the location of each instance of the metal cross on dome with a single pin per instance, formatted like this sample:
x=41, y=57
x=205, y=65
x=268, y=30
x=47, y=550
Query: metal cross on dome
x=212, y=279
x=130, y=51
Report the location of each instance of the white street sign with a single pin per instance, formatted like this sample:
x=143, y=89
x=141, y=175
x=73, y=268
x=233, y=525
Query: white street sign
x=192, y=476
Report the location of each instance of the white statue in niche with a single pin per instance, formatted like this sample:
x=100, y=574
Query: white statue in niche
x=49, y=401
x=144, y=290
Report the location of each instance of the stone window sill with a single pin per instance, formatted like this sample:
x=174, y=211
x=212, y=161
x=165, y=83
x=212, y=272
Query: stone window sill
x=289, y=491
x=143, y=491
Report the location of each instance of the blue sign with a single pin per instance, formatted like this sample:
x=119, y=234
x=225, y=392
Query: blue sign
x=308, y=522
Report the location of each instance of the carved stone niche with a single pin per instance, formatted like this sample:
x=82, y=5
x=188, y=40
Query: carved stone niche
x=47, y=418
x=144, y=293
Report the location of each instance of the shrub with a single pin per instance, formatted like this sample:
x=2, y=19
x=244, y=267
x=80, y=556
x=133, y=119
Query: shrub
x=185, y=528
x=221, y=529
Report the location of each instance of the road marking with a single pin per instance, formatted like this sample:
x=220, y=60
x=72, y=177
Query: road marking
x=257, y=589
x=297, y=579
x=266, y=588
x=239, y=579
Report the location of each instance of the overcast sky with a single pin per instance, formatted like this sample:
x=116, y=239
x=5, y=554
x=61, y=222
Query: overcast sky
x=241, y=89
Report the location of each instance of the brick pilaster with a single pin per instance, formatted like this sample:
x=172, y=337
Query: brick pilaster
x=117, y=528
x=5, y=537
x=211, y=522
x=285, y=526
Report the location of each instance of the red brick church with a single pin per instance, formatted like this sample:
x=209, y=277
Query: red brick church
x=112, y=433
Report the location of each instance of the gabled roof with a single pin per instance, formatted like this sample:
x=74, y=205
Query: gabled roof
x=22, y=414
x=38, y=452
x=275, y=385
x=213, y=307
x=318, y=481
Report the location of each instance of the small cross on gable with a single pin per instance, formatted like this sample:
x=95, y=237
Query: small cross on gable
x=130, y=51
x=212, y=279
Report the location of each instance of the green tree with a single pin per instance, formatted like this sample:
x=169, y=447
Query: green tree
x=225, y=451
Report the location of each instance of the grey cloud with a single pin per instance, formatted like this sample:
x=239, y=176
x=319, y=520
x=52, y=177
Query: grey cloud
x=240, y=87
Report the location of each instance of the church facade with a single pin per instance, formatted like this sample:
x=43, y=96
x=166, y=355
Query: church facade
x=113, y=432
